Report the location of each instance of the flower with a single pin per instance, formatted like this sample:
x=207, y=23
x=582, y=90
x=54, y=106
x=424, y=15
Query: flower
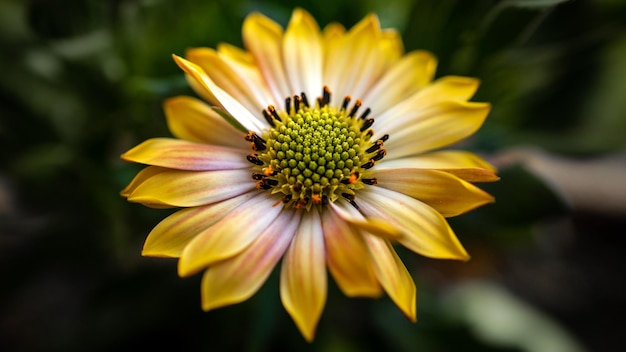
x=284, y=163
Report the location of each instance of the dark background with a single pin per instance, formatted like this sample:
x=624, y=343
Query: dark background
x=83, y=81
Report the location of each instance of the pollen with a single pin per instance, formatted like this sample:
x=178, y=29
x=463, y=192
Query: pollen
x=314, y=154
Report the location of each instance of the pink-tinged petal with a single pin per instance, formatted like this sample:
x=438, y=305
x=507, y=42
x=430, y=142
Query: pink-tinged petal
x=223, y=75
x=180, y=188
x=191, y=119
x=184, y=155
x=231, y=105
x=263, y=38
x=230, y=235
x=303, y=285
x=374, y=226
x=302, y=54
x=440, y=125
x=141, y=177
x=393, y=275
x=236, y=279
x=465, y=165
x=170, y=236
x=405, y=77
x=425, y=231
x=348, y=258
x=446, y=193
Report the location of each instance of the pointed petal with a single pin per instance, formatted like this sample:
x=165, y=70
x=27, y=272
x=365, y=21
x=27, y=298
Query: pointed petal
x=374, y=226
x=263, y=38
x=229, y=236
x=236, y=279
x=303, y=285
x=172, y=234
x=465, y=165
x=405, y=77
x=438, y=126
x=447, y=194
x=191, y=119
x=348, y=258
x=425, y=231
x=302, y=52
x=223, y=75
x=393, y=275
x=181, y=188
x=230, y=104
x=141, y=177
x=183, y=155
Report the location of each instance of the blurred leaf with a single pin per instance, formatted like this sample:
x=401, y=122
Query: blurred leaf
x=533, y=3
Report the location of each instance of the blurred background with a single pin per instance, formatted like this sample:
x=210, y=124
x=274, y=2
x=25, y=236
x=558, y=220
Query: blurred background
x=82, y=81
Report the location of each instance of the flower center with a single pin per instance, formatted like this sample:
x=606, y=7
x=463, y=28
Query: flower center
x=313, y=155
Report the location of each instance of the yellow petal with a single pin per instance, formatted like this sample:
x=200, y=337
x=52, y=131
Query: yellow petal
x=181, y=188
x=405, y=77
x=348, y=259
x=230, y=104
x=303, y=285
x=191, y=119
x=447, y=194
x=302, y=52
x=374, y=226
x=223, y=75
x=184, y=155
x=171, y=235
x=236, y=279
x=230, y=235
x=141, y=177
x=392, y=275
x=263, y=38
x=425, y=231
x=236, y=54
x=440, y=125
x=465, y=165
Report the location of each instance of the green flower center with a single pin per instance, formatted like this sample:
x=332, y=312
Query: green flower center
x=313, y=155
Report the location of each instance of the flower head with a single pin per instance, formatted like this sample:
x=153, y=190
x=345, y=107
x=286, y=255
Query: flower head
x=317, y=147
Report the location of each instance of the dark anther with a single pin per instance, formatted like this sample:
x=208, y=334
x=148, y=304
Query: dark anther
x=370, y=133
x=274, y=113
x=268, y=118
x=257, y=177
x=297, y=187
x=345, y=181
x=345, y=103
x=384, y=138
x=365, y=113
x=301, y=203
x=271, y=182
x=381, y=154
x=296, y=103
x=253, y=158
x=377, y=145
x=348, y=196
x=353, y=203
x=369, y=164
x=262, y=185
x=287, y=198
x=258, y=143
x=305, y=101
x=370, y=181
x=357, y=105
x=324, y=200
x=325, y=97
x=367, y=124
x=288, y=105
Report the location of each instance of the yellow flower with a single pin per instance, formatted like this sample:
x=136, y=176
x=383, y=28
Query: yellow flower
x=287, y=162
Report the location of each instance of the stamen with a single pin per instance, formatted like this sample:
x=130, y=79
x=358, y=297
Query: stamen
x=263, y=186
x=369, y=164
x=316, y=198
x=365, y=113
x=345, y=103
x=271, y=182
x=381, y=154
x=274, y=113
x=367, y=124
x=357, y=105
x=253, y=158
x=288, y=105
x=269, y=171
x=296, y=103
x=258, y=143
x=370, y=181
x=287, y=198
x=268, y=118
x=257, y=177
x=305, y=101
x=377, y=145
x=325, y=96
x=348, y=196
x=384, y=138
